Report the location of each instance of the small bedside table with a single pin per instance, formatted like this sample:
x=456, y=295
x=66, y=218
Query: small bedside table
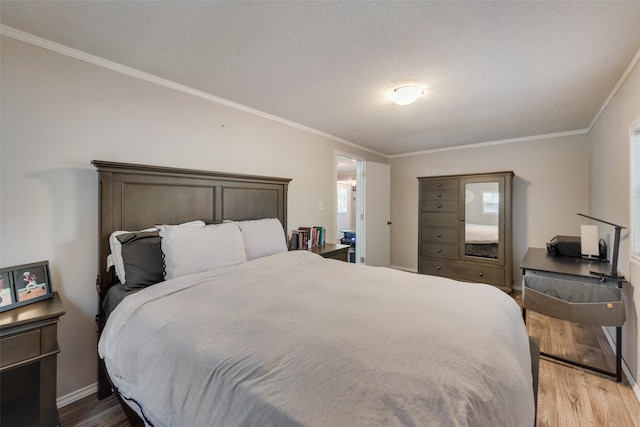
x=333, y=251
x=29, y=342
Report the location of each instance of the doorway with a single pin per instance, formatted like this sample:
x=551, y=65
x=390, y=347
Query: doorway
x=363, y=186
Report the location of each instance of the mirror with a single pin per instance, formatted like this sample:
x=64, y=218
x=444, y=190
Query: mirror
x=482, y=213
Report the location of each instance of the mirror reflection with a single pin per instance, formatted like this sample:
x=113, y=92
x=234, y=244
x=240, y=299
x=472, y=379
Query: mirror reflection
x=482, y=208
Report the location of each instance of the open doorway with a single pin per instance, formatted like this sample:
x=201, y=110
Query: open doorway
x=347, y=202
x=363, y=186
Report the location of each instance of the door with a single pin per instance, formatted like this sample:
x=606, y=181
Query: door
x=376, y=179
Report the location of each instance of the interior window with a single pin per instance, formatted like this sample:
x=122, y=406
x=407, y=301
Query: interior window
x=343, y=199
x=490, y=203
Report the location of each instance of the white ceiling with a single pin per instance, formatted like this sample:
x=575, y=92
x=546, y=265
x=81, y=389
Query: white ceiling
x=493, y=70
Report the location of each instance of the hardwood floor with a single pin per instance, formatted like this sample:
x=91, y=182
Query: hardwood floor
x=91, y=412
x=570, y=396
x=567, y=396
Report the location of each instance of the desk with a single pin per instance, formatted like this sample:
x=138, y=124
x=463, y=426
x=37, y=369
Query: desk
x=538, y=262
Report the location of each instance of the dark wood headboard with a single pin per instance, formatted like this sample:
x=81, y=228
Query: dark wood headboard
x=134, y=197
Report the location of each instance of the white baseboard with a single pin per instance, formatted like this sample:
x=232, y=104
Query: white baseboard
x=77, y=395
x=632, y=381
x=410, y=270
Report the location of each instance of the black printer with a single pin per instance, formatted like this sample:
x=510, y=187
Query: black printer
x=565, y=246
x=570, y=246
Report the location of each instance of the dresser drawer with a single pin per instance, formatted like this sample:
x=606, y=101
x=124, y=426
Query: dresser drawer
x=463, y=271
x=440, y=184
x=440, y=219
x=440, y=235
x=19, y=347
x=443, y=205
x=440, y=251
x=439, y=196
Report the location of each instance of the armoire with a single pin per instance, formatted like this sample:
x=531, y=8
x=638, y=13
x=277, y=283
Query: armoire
x=464, y=229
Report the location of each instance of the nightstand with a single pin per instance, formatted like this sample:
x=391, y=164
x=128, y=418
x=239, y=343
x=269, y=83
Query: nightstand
x=333, y=251
x=28, y=363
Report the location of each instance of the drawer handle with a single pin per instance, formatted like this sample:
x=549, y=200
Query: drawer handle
x=439, y=184
x=438, y=250
x=480, y=274
x=439, y=195
x=438, y=268
x=439, y=235
x=439, y=206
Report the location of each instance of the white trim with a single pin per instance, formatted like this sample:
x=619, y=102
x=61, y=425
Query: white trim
x=402, y=268
x=488, y=143
x=632, y=381
x=76, y=395
x=634, y=131
x=617, y=87
x=132, y=72
x=635, y=261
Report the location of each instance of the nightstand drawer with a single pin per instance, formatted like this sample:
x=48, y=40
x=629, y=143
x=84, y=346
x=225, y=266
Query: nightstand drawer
x=332, y=251
x=341, y=256
x=28, y=363
x=20, y=347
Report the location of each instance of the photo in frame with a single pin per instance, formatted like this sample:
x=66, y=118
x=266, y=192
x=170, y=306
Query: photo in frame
x=26, y=284
x=6, y=291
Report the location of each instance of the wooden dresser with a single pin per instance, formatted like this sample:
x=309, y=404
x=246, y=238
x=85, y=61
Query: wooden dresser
x=464, y=229
x=28, y=363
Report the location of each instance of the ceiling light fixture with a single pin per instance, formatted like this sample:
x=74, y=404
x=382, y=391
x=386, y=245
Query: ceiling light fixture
x=405, y=95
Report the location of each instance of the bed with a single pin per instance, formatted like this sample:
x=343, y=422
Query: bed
x=481, y=240
x=288, y=337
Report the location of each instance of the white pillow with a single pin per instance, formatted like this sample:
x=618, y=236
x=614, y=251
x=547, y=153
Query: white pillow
x=263, y=237
x=195, y=249
x=114, y=259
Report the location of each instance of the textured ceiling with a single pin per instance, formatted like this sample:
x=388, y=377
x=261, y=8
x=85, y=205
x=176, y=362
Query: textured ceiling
x=493, y=70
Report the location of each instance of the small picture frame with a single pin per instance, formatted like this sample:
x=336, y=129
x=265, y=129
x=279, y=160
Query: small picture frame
x=25, y=284
x=6, y=291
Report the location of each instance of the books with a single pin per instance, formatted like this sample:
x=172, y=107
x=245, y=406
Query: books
x=307, y=237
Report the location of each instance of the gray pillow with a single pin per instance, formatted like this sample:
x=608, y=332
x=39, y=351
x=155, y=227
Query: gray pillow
x=142, y=259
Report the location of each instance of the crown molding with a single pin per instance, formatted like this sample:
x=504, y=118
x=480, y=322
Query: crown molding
x=499, y=142
x=616, y=88
x=132, y=72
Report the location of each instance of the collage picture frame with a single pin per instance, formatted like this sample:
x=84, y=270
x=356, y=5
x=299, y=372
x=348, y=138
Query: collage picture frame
x=24, y=284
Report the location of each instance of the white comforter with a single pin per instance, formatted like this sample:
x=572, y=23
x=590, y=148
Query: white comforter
x=298, y=340
x=481, y=234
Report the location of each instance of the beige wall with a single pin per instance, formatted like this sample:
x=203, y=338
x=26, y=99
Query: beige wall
x=609, y=141
x=555, y=179
x=60, y=113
